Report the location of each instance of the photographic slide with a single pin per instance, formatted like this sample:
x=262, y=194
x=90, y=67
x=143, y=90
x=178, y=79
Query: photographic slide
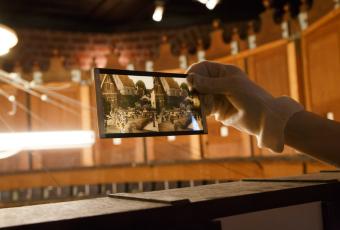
x=135, y=103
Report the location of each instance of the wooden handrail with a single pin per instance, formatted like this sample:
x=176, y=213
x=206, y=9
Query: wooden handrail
x=249, y=52
x=325, y=19
x=200, y=170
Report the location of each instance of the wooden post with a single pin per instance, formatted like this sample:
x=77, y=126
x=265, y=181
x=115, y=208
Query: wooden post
x=251, y=36
x=183, y=57
x=303, y=15
x=150, y=149
x=87, y=158
x=285, y=27
x=200, y=51
x=235, y=42
x=292, y=71
x=195, y=147
x=37, y=76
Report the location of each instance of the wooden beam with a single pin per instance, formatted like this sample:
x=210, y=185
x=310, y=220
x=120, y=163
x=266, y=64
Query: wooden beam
x=250, y=52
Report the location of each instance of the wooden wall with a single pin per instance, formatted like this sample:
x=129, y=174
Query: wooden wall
x=16, y=121
x=62, y=117
x=321, y=62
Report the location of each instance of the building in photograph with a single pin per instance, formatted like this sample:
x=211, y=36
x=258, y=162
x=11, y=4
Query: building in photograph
x=110, y=91
x=125, y=85
x=166, y=93
x=158, y=95
x=118, y=90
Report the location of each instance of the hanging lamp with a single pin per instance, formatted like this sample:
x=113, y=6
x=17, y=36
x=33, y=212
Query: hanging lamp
x=8, y=39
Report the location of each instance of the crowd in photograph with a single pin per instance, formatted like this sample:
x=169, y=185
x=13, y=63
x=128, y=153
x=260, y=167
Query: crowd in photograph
x=130, y=119
x=146, y=119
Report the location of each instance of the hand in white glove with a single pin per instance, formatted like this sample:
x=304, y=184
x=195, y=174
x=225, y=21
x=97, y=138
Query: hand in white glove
x=240, y=103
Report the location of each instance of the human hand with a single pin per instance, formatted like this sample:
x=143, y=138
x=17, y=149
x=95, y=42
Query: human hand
x=238, y=102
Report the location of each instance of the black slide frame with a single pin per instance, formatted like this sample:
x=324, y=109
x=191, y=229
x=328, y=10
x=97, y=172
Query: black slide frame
x=100, y=112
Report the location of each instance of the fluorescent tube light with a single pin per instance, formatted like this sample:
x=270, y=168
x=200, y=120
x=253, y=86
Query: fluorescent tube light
x=20, y=141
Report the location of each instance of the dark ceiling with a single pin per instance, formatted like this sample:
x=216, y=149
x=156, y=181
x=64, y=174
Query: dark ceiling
x=125, y=15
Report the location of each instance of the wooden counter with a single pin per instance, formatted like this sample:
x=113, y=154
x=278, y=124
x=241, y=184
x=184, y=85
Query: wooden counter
x=186, y=208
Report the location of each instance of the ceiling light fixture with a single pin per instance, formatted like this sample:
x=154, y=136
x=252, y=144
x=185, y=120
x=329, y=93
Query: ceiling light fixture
x=211, y=4
x=8, y=39
x=159, y=10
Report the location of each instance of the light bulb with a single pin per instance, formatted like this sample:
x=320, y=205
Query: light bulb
x=8, y=39
x=43, y=97
x=211, y=4
x=330, y=116
x=158, y=13
x=171, y=138
x=224, y=132
x=11, y=98
x=117, y=141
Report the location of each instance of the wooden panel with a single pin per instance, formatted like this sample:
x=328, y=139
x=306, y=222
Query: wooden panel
x=272, y=70
x=17, y=122
x=57, y=118
x=235, y=144
x=129, y=151
x=321, y=52
x=269, y=69
x=180, y=148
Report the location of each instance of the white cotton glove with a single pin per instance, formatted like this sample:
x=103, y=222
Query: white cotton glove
x=238, y=102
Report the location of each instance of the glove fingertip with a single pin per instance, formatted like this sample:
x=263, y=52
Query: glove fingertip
x=190, y=79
